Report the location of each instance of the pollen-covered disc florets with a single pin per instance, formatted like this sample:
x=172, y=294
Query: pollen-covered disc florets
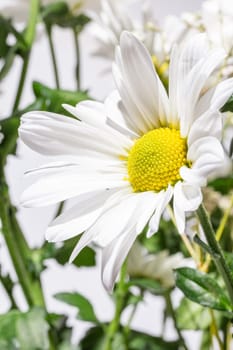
x=155, y=159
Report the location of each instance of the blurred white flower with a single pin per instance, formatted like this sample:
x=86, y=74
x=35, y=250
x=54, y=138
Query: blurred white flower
x=113, y=19
x=157, y=266
x=125, y=159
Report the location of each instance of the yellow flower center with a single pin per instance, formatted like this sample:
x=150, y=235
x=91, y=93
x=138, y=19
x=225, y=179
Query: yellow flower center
x=155, y=159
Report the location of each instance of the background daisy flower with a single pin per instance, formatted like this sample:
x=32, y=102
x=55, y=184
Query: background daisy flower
x=127, y=158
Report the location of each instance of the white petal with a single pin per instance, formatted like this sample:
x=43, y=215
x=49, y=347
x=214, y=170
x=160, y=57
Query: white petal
x=187, y=197
x=78, y=218
x=67, y=183
x=47, y=134
x=113, y=257
x=142, y=84
x=163, y=198
x=216, y=97
x=208, y=124
x=193, y=85
x=90, y=235
x=206, y=154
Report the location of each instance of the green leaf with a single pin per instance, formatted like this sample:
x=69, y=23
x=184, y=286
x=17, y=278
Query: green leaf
x=197, y=317
x=54, y=98
x=86, y=311
x=202, y=289
x=139, y=341
x=147, y=284
x=223, y=185
x=28, y=331
x=32, y=330
x=94, y=339
x=228, y=107
x=85, y=258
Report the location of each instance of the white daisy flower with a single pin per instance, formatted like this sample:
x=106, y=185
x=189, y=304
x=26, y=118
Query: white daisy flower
x=114, y=18
x=127, y=158
x=158, y=266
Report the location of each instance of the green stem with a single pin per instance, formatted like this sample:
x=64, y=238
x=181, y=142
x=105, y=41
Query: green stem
x=53, y=55
x=30, y=31
x=15, y=242
x=120, y=302
x=77, y=51
x=11, y=242
x=29, y=37
x=21, y=82
x=172, y=313
x=218, y=256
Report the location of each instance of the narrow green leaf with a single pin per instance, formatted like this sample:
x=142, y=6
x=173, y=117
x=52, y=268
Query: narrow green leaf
x=202, y=289
x=86, y=311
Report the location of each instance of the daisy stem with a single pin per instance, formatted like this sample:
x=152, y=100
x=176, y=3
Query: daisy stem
x=173, y=316
x=53, y=55
x=18, y=249
x=77, y=51
x=21, y=82
x=218, y=255
x=29, y=36
x=120, y=303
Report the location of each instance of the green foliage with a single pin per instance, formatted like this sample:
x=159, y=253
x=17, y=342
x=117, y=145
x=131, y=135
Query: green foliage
x=223, y=185
x=202, y=289
x=8, y=52
x=167, y=238
x=54, y=98
x=86, y=311
x=28, y=331
x=85, y=258
x=59, y=14
x=95, y=340
x=192, y=316
x=150, y=285
x=228, y=107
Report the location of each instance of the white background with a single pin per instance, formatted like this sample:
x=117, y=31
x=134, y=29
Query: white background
x=35, y=221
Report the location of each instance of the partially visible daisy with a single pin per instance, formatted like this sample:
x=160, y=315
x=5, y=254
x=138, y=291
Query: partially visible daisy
x=114, y=18
x=158, y=266
x=127, y=158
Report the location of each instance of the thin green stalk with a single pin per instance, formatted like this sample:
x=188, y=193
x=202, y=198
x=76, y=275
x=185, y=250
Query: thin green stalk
x=21, y=82
x=218, y=255
x=172, y=313
x=77, y=52
x=22, y=243
x=53, y=55
x=30, y=31
x=11, y=242
x=120, y=301
x=18, y=249
x=29, y=37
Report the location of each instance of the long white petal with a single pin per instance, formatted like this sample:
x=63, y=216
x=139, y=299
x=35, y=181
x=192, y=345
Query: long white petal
x=78, y=218
x=114, y=255
x=187, y=197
